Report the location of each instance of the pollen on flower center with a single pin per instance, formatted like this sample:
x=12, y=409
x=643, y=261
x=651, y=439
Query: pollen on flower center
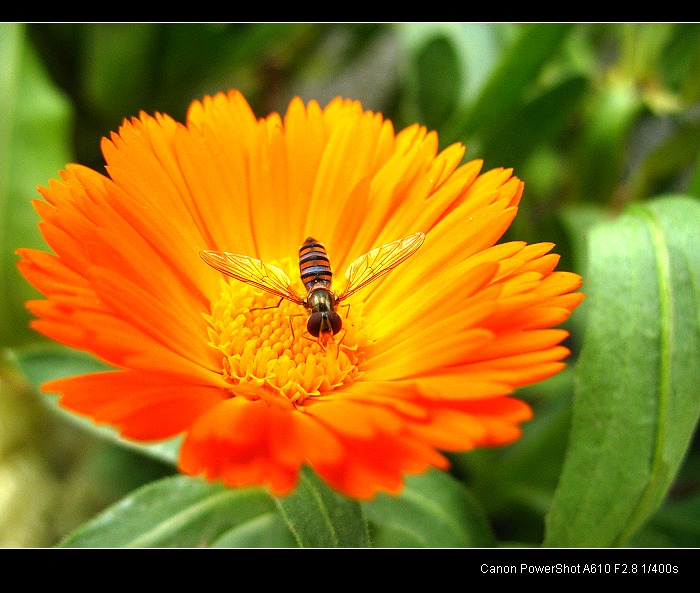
x=268, y=353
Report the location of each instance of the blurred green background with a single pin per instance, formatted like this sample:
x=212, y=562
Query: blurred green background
x=592, y=117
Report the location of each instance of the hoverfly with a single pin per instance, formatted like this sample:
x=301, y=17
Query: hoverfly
x=315, y=271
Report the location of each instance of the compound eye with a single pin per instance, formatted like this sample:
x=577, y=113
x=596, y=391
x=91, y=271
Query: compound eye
x=324, y=322
x=314, y=324
x=335, y=321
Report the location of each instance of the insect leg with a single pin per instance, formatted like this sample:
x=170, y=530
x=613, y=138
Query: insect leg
x=270, y=307
x=291, y=325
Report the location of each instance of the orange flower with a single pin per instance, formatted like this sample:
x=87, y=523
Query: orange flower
x=427, y=356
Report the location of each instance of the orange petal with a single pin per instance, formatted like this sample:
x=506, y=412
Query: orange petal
x=142, y=405
x=242, y=442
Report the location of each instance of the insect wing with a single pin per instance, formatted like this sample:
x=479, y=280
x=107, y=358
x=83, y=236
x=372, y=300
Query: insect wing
x=252, y=271
x=373, y=264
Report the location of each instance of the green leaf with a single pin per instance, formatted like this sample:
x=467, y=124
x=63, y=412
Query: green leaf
x=694, y=182
x=47, y=362
x=264, y=531
x=34, y=144
x=320, y=518
x=538, y=121
x=126, y=67
x=515, y=484
x=519, y=66
x=444, y=65
x=669, y=160
x=601, y=147
x=438, y=80
x=184, y=512
x=677, y=523
x=119, y=62
x=636, y=405
x=679, y=62
x=433, y=510
x=578, y=220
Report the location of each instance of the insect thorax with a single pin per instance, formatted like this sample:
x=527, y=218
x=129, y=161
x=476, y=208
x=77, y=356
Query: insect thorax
x=320, y=298
x=323, y=318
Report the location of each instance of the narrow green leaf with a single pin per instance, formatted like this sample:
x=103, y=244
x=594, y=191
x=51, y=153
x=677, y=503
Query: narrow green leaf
x=601, y=149
x=641, y=47
x=636, y=404
x=519, y=66
x=433, y=510
x=34, y=139
x=181, y=512
x=537, y=121
x=438, y=80
x=320, y=518
x=476, y=45
x=119, y=61
x=46, y=362
x=267, y=530
x=679, y=62
x=669, y=161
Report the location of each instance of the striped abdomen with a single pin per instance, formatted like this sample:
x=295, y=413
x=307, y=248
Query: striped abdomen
x=314, y=266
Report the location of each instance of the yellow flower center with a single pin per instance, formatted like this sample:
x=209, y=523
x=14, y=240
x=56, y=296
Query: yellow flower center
x=269, y=354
